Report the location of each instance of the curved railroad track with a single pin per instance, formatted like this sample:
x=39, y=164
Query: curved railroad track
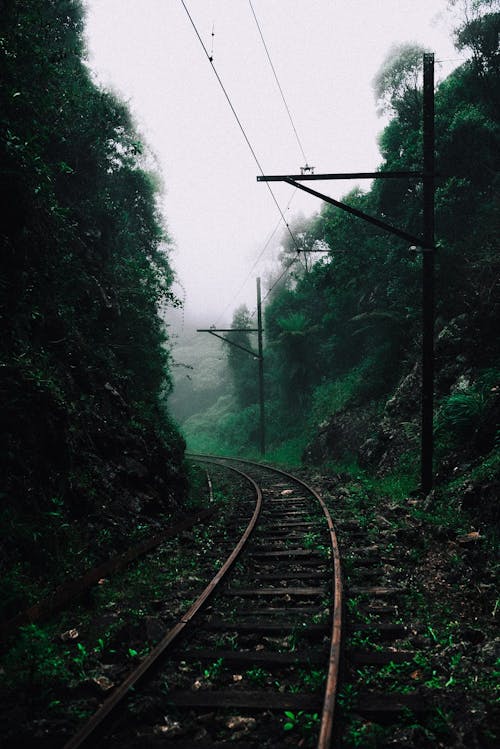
x=256, y=656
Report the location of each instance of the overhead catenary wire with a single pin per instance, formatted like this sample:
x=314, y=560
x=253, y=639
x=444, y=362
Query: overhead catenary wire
x=240, y=125
x=283, y=273
x=277, y=82
x=256, y=261
x=281, y=276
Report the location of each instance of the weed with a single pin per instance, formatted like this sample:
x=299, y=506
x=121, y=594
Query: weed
x=347, y=697
x=362, y=733
x=313, y=680
x=355, y=604
x=258, y=676
x=310, y=540
x=100, y=647
x=227, y=640
x=79, y=659
x=303, y=723
x=359, y=640
x=35, y=660
x=322, y=617
x=214, y=670
x=386, y=677
x=441, y=721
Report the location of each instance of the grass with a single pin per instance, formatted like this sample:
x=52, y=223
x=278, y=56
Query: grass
x=287, y=454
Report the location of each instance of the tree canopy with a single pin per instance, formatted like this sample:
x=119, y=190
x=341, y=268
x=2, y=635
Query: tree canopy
x=85, y=269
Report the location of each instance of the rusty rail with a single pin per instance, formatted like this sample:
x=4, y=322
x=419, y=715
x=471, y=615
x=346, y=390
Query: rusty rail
x=326, y=727
x=95, y=722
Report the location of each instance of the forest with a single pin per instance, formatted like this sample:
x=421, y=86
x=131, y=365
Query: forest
x=103, y=393
x=343, y=312
x=85, y=272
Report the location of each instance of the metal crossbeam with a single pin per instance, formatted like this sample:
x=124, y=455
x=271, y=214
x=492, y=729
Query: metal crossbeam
x=341, y=175
x=215, y=332
x=418, y=241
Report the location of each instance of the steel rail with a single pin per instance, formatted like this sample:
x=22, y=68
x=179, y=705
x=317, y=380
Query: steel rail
x=326, y=725
x=97, y=719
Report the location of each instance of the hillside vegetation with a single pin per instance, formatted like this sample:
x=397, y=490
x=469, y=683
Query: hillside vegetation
x=343, y=327
x=85, y=270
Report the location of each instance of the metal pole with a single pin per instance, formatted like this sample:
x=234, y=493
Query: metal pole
x=261, y=372
x=427, y=473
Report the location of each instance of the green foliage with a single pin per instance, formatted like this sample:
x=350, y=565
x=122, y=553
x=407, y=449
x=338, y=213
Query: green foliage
x=36, y=660
x=287, y=452
x=362, y=733
x=332, y=396
x=200, y=373
x=223, y=428
x=258, y=676
x=470, y=414
x=302, y=722
x=478, y=32
x=213, y=670
x=398, y=83
x=313, y=680
x=461, y=413
x=85, y=270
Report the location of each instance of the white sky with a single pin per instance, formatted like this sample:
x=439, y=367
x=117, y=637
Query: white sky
x=325, y=52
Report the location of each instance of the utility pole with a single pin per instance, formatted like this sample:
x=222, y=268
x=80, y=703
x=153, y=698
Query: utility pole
x=428, y=252
x=259, y=355
x=424, y=243
x=261, y=373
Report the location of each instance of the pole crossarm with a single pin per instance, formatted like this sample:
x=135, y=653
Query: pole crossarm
x=232, y=343
x=342, y=175
x=418, y=241
x=258, y=356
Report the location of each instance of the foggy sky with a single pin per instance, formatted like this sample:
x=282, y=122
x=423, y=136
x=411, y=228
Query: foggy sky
x=325, y=52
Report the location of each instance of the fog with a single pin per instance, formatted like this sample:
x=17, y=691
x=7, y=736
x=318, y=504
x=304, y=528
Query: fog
x=325, y=53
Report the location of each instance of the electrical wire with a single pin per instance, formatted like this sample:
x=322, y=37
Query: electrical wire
x=282, y=274
x=286, y=270
x=210, y=59
x=277, y=82
x=266, y=245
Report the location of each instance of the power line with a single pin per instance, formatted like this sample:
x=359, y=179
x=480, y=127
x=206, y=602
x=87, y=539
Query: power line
x=277, y=82
x=282, y=274
x=266, y=245
x=210, y=59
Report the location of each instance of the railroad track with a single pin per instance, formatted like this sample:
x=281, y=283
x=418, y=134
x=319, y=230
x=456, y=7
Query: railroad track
x=256, y=656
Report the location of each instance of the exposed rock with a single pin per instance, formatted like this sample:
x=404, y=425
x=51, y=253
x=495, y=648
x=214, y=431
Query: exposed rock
x=340, y=436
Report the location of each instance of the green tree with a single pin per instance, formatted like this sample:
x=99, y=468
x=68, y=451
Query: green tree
x=398, y=83
x=84, y=267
